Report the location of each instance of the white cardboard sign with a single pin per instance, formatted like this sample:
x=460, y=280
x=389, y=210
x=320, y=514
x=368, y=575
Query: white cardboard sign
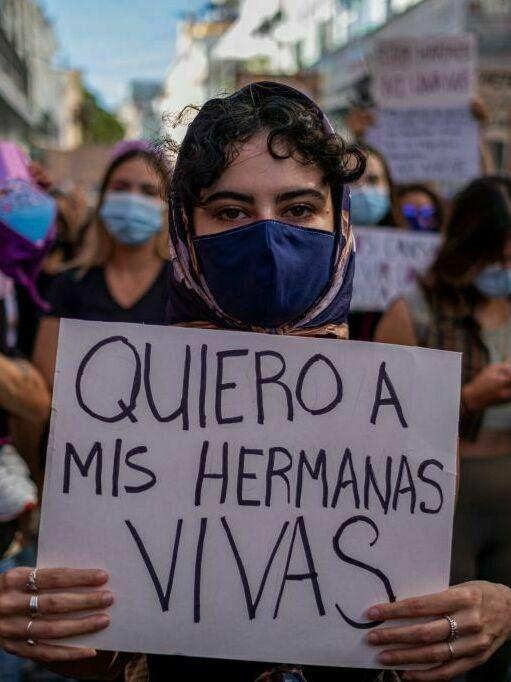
x=423, y=145
x=388, y=263
x=250, y=495
x=425, y=72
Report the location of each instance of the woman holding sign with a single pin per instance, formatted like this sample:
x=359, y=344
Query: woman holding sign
x=260, y=240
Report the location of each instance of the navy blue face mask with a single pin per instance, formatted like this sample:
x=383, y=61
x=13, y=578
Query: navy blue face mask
x=268, y=273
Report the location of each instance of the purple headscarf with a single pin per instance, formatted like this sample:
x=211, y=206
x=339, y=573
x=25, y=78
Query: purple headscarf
x=191, y=303
x=126, y=146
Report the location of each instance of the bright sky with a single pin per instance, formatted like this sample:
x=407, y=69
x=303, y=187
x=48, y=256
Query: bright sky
x=113, y=41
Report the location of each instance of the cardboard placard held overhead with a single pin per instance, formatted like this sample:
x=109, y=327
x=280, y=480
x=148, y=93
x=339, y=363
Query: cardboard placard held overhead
x=424, y=126
x=250, y=495
x=423, y=145
x=436, y=72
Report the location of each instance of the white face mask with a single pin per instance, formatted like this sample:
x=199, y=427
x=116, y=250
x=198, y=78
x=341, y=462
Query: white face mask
x=494, y=281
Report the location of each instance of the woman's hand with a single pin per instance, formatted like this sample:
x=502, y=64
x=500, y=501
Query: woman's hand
x=482, y=612
x=55, y=619
x=491, y=386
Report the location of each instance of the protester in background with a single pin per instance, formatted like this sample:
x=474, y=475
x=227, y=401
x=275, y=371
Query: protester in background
x=120, y=275
x=261, y=177
x=68, y=235
x=421, y=207
x=26, y=217
x=374, y=201
x=23, y=396
x=374, y=198
x=463, y=304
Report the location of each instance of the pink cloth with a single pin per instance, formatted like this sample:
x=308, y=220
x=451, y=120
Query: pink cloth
x=14, y=164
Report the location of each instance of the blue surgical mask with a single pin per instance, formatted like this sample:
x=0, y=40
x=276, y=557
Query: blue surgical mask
x=369, y=204
x=132, y=219
x=494, y=281
x=268, y=273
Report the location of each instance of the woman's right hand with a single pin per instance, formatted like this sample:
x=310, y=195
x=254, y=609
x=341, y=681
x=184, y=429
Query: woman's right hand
x=57, y=609
x=491, y=386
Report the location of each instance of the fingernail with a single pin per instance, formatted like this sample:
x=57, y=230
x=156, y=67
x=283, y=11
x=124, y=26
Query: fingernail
x=373, y=638
x=99, y=577
x=91, y=653
x=107, y=599
x=373, y=613
x=103, y=620
x=385, y=658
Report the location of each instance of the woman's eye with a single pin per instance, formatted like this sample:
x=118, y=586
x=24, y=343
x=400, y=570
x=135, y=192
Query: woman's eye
x=230, y=214
x=300, y=211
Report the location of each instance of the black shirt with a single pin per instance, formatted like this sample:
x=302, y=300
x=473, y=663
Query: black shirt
x=164, y=668
x=87, y=297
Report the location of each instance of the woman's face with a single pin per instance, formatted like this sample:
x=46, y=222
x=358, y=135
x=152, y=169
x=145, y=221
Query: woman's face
x=132, y=209
x=258, y=187
x=135, y=176
x=417, y=199
x=419, y=210
x=375, y=175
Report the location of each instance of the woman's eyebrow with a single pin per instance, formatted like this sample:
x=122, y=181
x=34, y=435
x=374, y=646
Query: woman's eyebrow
x=226, y=194
x=148, y=187
x=298, y=193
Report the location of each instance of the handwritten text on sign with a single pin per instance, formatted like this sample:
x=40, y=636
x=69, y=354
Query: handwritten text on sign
x=388, y=264
x=427, y=144
x=430, y=72
x=250, y=495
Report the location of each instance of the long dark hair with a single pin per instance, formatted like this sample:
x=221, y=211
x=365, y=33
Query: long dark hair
x=476, y=233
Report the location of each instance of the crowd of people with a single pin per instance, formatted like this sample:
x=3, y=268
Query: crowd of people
x=256, y=203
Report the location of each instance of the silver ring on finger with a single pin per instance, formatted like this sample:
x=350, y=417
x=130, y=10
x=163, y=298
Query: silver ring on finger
x=32, y=581
x=451, y=650
x=30, y=641
x=453, y=626
x=34, y=606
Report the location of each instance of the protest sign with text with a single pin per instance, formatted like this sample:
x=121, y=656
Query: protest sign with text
x=250, y=495
x=388, y=263
x=425, y=72
x=424, y=125
x=427, y=144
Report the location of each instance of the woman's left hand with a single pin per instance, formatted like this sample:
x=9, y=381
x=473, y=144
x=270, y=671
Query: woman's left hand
x=482, y=612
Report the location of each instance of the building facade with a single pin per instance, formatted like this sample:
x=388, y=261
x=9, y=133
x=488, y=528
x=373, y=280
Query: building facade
x=32, y=88
x=140, y=114
x=193, y=73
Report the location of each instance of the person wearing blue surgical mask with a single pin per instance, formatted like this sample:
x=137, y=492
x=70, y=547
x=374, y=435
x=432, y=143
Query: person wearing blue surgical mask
x=120, y=274
x=373, y=203
x=373, y=197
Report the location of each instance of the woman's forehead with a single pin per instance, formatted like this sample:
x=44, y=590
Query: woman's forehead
x=135, y=170
x=255, y=170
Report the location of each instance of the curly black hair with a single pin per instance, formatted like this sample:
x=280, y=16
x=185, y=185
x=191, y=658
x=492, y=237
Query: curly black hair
x=216, y=135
